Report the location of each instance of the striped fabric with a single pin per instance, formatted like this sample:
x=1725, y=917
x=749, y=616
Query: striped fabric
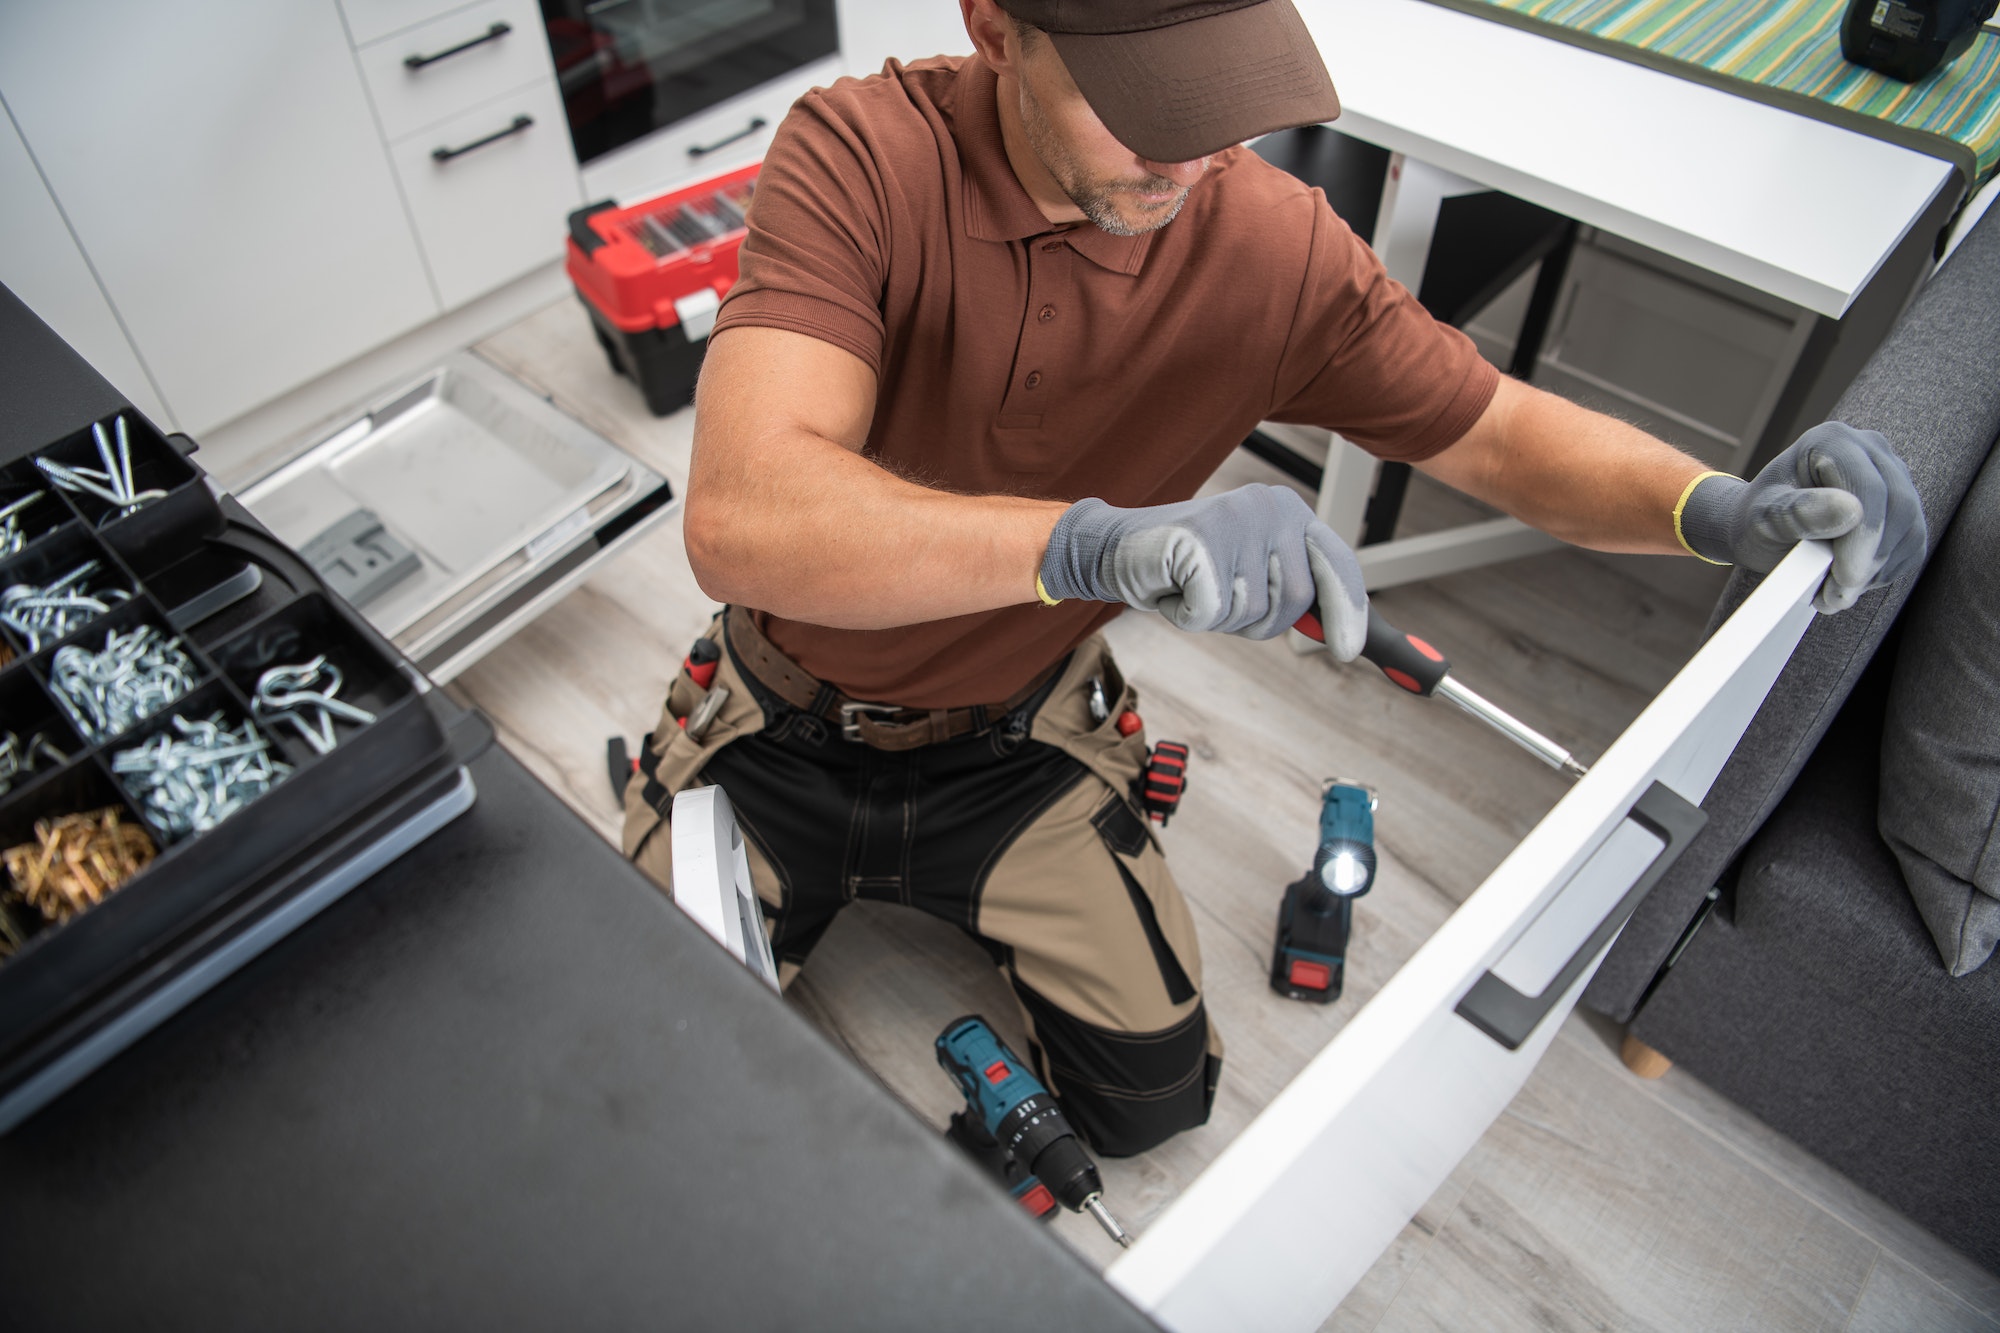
x=1792, y=46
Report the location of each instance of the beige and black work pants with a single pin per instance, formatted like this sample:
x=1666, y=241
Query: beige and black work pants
x=1023, y=835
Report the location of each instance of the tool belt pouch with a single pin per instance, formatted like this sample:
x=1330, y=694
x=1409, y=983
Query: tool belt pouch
x=671, y=761
x=1065, y=722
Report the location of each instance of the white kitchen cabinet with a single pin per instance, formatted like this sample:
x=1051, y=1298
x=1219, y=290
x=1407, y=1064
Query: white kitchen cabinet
x=492, y=212
x=40, y=263
x=496, y=47
x=368, y=20
x=220, y=166
x=871, y=31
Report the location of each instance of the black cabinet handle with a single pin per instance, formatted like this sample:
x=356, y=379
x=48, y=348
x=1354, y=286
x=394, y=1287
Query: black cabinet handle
x=704, y=149
x=447, y=154
x=493, y=34
x=1508, y=1016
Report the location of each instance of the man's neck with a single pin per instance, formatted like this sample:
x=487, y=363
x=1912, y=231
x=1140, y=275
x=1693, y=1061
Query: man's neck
x=1035, y=178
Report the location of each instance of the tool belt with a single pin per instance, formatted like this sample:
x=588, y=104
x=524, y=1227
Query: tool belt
x=884, y=726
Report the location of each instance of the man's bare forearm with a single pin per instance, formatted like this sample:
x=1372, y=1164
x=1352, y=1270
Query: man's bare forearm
x=1579, y=475
x=784, y=513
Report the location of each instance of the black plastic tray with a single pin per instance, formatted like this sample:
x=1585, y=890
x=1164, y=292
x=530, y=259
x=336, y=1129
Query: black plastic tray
x=68, y=976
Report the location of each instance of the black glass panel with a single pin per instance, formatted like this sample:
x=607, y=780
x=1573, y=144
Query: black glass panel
x=629, y=67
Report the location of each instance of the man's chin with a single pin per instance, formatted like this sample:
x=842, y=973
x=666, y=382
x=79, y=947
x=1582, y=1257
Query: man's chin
x=1134, y=215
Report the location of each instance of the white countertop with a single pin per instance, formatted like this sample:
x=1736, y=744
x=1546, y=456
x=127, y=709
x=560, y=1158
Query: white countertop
x=1796, y=207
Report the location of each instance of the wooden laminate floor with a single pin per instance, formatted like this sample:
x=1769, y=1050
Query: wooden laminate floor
x=1597, y=1201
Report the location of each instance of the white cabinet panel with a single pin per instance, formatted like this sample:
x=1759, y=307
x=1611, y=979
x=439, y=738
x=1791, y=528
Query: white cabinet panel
x=496, y=211
x=39, y=263
x=409, y=99
x=368, y=20
x=720, y=139
x=871, y=31
x=220, y=166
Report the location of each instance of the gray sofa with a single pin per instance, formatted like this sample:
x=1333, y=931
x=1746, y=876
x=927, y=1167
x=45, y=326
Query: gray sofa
x=1784, y=961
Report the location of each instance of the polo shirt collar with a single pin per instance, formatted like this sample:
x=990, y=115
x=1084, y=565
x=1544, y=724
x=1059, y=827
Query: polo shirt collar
x=997, y=208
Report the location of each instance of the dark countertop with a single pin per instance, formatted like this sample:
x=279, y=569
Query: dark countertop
x=502, y=1084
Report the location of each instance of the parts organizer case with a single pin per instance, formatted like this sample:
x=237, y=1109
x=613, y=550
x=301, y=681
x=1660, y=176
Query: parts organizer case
x=653, y=275
x=196, y=566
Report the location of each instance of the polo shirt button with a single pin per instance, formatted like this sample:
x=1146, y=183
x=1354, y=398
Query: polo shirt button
x=1034, y=378
x=1050, y=247
x=1048, y=313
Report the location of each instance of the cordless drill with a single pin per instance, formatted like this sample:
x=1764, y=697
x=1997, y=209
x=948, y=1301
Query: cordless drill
x=1009, y=1109
x=1309, y=961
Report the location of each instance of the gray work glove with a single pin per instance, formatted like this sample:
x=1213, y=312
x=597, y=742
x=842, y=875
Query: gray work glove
x=1834, y=484
x=1250, y=561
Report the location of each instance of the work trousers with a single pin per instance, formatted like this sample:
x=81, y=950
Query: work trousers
x=1024, y=835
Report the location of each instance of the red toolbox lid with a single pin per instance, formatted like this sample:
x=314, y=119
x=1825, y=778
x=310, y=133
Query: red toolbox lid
x=634, y=263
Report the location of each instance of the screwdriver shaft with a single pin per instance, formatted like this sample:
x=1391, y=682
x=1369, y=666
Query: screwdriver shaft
x=1511, y=727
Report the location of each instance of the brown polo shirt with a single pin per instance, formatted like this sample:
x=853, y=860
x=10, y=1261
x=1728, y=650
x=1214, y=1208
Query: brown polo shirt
x=1016, y=357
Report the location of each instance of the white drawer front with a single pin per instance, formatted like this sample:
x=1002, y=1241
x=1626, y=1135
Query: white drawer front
x=491, y=213
x=717, y=140
x=1289, y=1217
x=408, y=100
x=368, y=20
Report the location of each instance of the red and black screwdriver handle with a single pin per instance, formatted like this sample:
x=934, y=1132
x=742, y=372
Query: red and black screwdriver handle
x=1405, y=659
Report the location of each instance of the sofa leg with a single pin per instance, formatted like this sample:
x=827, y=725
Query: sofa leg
x=1642, y=1059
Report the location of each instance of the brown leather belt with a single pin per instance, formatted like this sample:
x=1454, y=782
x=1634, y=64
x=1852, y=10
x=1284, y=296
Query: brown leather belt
x=884, y=726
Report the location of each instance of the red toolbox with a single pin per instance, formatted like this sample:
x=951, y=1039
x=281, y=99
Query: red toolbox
x=652, y=276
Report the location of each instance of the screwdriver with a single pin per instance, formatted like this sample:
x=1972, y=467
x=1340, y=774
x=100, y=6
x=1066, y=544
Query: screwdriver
x=1414, y=665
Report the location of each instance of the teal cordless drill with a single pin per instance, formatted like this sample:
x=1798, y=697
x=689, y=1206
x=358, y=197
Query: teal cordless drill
x=1014, y=1127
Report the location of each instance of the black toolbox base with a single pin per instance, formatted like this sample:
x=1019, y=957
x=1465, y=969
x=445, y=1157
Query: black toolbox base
x=662, y=362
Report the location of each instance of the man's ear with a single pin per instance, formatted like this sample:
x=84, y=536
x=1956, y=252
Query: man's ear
x=991, y=31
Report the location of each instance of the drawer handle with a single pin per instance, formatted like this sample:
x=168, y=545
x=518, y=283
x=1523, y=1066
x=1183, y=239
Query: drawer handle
x=493, y=34
x=704, y=149
x=447, y=154
x=1509, y=1017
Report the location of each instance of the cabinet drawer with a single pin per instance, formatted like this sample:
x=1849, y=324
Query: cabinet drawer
x=369, y=19
x=408, y=100
x=718, y=140
x=491, y=213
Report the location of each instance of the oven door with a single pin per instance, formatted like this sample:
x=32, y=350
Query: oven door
x=629, y=67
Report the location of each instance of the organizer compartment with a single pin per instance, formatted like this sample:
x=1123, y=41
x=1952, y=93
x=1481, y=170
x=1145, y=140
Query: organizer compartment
x=160, y=531
x=79, y=787
x=213, y=701
x=61, y=552
x=45, y=510
x=28, y=713
x=349, y=778
x=95, y=638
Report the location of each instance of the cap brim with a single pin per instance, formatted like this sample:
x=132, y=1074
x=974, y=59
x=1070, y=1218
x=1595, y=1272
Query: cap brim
x=1190, y=89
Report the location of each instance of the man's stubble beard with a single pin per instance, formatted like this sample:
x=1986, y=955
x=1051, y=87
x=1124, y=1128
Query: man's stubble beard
x=1094, y=198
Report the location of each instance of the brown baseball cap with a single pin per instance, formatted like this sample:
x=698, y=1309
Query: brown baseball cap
x=1175, y=80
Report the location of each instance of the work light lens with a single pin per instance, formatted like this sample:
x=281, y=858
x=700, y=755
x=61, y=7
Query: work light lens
x=1343, y=873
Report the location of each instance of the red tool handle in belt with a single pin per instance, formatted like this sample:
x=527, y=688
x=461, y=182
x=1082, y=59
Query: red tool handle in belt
x=1404, y=658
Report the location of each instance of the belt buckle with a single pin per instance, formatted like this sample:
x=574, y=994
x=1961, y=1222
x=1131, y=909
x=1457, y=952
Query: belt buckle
x=851, y=713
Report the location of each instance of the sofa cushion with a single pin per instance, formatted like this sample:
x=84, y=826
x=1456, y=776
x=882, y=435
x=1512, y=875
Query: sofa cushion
x=1941, y=739
x=1932, y=388
x=1821, y=890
